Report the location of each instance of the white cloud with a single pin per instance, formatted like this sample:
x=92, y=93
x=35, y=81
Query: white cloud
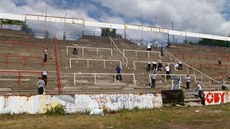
x=203, y=16
x=190, y=15
x=38, y=7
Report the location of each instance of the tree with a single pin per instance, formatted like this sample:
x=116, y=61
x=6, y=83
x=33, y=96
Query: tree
x=107, y=32
x=212, y=42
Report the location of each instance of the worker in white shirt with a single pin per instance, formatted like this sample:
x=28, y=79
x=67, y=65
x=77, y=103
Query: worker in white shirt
x=153, y=80
x=41, y=85
x=180, y=65
x=154, y=65
x=167, y=70
x=200, y=90
x=45, y=76
x=149, y=47
x=187, y=80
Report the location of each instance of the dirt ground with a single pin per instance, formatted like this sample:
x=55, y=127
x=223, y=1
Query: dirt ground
x=205, y=117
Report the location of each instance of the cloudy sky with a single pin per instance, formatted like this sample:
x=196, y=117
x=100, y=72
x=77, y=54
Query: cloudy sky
x=202, y=16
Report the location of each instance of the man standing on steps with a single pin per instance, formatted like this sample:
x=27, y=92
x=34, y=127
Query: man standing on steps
x=148, y=66
x=219, y=62
x=187, y=80
x=45, y=76
x=75, y=48
x=162, y=54
x=45, y=55
x=200, y=91
x=159, y=65
x=153, y=80
x=41, y=85
x=149, y=47
x=154, y=65
x=118, y=75
x=167, y=70
x=180, y=66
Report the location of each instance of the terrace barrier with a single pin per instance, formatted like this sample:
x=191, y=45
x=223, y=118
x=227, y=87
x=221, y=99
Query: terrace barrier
x=83, y=49
x=88, y=60
x=98, y=75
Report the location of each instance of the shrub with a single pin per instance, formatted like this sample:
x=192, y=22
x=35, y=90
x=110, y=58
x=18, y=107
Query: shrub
x=57, y=110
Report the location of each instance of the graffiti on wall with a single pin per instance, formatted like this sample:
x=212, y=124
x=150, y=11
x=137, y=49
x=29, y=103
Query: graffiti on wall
x=115, y=102
x=80, y=103
x=216, y=97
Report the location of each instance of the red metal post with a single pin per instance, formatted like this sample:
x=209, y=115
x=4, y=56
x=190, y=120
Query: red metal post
x=28, y=48
x=19, y=77
x=24, y=61
x=57, y=67
x=42, y=64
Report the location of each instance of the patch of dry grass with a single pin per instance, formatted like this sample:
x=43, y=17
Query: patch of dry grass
x=207, y=117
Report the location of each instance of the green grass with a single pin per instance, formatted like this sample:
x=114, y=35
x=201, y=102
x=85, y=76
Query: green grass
x=206, y=117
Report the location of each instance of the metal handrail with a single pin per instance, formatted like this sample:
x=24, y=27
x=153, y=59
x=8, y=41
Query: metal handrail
x=124, y=57
x=195, y=70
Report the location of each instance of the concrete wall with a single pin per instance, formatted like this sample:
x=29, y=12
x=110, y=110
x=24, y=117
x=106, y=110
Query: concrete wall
x=78, y=103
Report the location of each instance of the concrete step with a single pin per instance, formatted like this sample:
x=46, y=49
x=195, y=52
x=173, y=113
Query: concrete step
x=5, y=89
x=192, y=100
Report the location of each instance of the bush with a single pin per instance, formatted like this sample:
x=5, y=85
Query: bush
x=57, y=110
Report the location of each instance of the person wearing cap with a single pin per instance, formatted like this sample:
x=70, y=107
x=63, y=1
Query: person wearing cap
x=41, y=86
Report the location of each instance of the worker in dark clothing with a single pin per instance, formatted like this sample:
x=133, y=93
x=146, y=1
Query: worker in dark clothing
x=45, y=55
x=148, y=66
x=118, y=75
x=153, y=81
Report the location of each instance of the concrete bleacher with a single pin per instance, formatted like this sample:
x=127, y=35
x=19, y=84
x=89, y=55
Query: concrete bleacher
x=92, y=70
x=21, y=59
x=204, y=59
